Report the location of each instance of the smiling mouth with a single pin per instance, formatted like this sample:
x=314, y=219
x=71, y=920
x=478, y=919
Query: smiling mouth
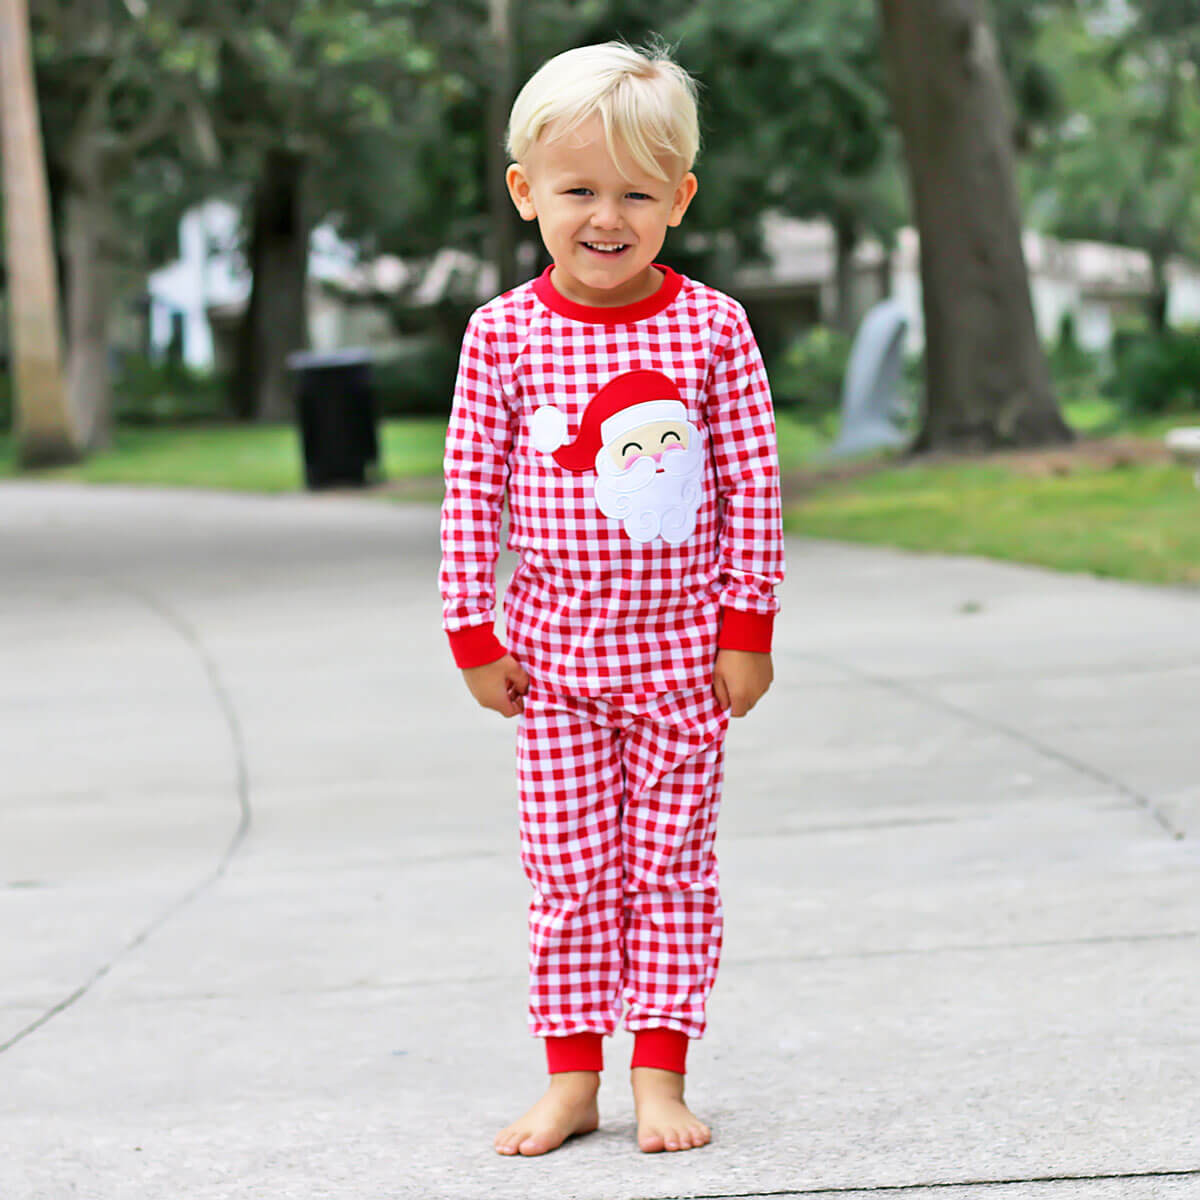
x=606, y=247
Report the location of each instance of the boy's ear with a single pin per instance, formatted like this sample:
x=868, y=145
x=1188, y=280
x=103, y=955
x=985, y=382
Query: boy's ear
x=520, y=191
x=683, y=197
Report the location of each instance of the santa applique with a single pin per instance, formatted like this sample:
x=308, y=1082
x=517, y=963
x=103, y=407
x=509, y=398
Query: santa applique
x=648, y=457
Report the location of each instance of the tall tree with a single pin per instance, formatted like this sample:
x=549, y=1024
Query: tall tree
x=1132, y=85
x=302, y=84
x=797, y=122
x=987, y=380
x=43, y=425
x=120, y=80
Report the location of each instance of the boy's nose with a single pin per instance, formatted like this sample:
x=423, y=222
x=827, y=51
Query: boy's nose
x=605, y=216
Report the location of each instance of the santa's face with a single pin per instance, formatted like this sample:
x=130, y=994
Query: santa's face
x=655, y=489
x=652, y=440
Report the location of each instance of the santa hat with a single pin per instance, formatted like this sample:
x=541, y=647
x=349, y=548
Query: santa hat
x=622, y=404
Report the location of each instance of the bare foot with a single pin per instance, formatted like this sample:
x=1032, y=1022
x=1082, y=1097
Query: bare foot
x=568, y=1107
x=664, y=1121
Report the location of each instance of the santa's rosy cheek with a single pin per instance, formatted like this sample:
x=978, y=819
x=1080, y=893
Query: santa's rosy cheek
x=631, y=458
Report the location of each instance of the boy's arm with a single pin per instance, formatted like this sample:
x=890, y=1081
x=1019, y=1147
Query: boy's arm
x=478, y=440
x=742, y=427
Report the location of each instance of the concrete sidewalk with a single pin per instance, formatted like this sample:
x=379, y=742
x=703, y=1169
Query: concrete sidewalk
x=262, y=919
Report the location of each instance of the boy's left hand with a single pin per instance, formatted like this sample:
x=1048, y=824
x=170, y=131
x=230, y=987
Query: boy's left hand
x=741, y=679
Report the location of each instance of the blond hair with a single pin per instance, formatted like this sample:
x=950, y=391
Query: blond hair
x=645, y=101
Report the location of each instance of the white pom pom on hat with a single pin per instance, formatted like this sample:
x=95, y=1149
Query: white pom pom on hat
x=548, y=428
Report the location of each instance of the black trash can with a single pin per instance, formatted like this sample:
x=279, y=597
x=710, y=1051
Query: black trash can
x=335, y=407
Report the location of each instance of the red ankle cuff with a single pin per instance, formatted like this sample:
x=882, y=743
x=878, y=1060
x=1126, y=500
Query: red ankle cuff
x=575, y=1052
x=665, y=1049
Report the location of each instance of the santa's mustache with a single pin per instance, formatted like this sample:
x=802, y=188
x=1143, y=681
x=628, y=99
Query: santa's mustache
x=643, y=470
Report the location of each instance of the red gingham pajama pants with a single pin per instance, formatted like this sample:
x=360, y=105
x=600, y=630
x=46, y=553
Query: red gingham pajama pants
x=619, y=800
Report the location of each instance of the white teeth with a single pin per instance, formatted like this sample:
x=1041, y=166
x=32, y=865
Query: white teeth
x=605, y=247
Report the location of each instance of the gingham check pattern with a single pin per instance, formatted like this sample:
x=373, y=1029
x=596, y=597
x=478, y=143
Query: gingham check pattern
x=619, y=801
x=589, y=611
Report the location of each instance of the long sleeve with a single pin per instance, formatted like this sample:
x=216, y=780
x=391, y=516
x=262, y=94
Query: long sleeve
x=478, y=441
x=742, y=427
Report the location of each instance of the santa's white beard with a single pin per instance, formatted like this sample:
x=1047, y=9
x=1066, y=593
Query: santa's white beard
x=652, y=503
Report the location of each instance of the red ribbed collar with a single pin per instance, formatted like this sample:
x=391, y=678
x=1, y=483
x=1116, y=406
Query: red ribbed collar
x=623, y=314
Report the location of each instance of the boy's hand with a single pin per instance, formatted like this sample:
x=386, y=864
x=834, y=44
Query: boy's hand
x=741, y=679
x=499, y=685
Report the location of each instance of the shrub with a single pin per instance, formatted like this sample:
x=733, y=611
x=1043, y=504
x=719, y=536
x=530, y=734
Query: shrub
x=1157, y=373
x=146, y=393
x=809, y=371
x=1077, y=373
x=166, y=393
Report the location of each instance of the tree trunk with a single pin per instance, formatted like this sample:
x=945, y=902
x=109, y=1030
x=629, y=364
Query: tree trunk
x=1160, y=293
x=501, y=214
x=42, y=419
x=987, y=380
x=276, y=320
x=89, y=304
x=846, y=234
x=886, y=272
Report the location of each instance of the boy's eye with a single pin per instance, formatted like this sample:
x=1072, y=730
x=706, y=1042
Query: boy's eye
x=639, y=196
x=579, y=191
x=629, y=446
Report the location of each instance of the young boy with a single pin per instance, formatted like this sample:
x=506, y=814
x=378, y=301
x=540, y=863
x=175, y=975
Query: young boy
x=623, y=412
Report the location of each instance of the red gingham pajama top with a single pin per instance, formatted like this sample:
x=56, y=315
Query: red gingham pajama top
x=616, y=619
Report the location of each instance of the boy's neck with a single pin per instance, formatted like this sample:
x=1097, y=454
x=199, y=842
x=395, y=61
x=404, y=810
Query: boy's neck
x=632, y=292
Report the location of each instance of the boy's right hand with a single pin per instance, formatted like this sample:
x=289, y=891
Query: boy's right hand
x=499, y=685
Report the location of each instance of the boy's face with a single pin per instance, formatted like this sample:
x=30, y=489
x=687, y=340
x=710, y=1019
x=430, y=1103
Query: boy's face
x=602, y=228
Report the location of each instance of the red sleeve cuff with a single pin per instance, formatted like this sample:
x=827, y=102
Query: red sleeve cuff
x=745, y=631
x=475, y=646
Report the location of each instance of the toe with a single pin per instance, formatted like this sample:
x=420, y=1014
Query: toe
x=651, y=1142
x=532, y=1146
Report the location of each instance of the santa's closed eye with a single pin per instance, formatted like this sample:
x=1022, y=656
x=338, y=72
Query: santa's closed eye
x=630, y=446
x=669, y=434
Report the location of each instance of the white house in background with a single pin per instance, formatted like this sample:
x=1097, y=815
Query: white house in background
x=195, y=299
x=209, y=286
x=1096, y=283
x=209, y=273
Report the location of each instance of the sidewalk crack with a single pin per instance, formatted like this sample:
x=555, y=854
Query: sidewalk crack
x=225, y=703
x=1045, y=749
x=900, y=1189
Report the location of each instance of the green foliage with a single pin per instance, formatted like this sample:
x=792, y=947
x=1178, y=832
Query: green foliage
x=124, y=92
x=1118, y=161
x=795, y=116
x=808, y=373
x=1158, y=373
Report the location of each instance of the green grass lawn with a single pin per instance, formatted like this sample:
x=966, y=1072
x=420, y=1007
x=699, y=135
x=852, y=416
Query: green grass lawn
x=236, y=457
x=1140, y=521
x=1136, y=521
